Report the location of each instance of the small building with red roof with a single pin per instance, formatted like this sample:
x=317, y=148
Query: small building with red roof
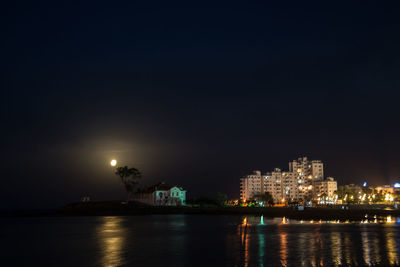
x=162, y=194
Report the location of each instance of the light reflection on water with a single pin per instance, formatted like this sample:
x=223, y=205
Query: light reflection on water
x=197, y=240
x=111, y=235
x=320, y=243
x=391, y=247
x=283, y=248
x=305, y=243
x=348, y=248
x=336, y=247
x=261, y=248
x=122, y=239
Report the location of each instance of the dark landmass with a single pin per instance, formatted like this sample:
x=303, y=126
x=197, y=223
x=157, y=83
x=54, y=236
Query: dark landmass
x=117, y=208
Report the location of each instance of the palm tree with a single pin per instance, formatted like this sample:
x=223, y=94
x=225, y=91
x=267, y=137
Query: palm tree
x=129, y=178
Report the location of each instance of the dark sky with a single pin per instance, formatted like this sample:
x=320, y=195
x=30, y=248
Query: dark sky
x=195, y=94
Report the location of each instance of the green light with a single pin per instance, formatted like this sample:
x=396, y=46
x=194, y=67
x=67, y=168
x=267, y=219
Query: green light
x=261, y=220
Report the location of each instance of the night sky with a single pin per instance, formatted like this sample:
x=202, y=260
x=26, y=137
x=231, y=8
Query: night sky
x=193, y=94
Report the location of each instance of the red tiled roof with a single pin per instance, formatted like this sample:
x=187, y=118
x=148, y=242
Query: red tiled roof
x=159, y=186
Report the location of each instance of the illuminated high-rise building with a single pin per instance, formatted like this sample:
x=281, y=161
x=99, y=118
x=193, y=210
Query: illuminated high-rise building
x=295, y=185
x=251, y=185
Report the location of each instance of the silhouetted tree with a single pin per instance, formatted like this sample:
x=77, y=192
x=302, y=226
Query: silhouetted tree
x=129, y=178
x=397, y=196
x=341, y=192
x=221, y=199
x=379, y=197
x=266, y=198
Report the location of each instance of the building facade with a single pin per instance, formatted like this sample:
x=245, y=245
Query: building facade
x=273, y=183
x=326, y=187
x=384, y=189
x=353, y=187
x=302, y=182
x=251, y=185
x=162, y=194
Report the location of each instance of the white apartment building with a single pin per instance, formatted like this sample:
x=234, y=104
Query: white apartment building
x=273, y=183
x=307, y=168
x=251, y=185
x=327, y=187
x=297, y=184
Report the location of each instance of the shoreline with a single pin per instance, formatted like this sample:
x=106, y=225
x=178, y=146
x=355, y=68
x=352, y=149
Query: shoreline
x=116, y=208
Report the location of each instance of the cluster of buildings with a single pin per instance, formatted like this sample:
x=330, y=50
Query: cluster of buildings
x=369, y=194
x=305, y=182
x=302, y=182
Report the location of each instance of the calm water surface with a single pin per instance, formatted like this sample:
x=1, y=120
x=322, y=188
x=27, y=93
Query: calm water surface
x=195, y=240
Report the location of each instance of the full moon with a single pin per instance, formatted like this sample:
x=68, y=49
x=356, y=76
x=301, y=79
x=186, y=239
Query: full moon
x=113, y=162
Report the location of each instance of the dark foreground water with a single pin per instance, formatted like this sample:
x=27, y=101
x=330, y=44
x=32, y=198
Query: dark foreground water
x=195, y=240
